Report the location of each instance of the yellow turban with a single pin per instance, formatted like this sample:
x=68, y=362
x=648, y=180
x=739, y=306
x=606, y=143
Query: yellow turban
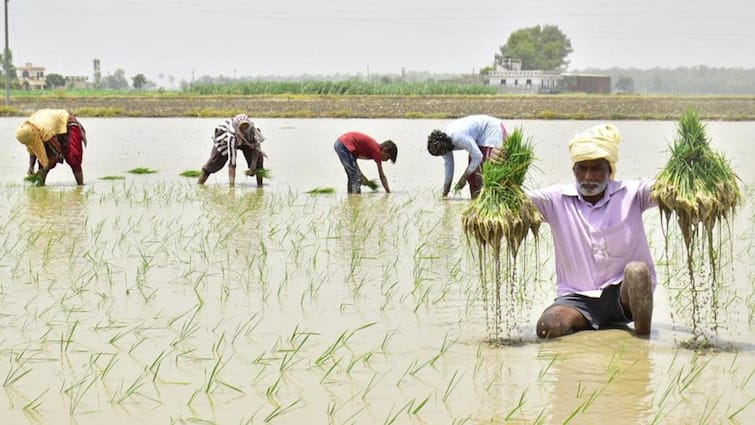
x=599, y=142
x=28, y=134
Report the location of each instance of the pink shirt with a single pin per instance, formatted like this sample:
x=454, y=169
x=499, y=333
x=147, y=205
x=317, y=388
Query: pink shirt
x=594, y=243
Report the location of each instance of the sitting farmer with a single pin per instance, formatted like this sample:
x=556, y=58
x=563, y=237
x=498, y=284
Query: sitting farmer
x=605, y=273
x=52, y=136
x=237, y=133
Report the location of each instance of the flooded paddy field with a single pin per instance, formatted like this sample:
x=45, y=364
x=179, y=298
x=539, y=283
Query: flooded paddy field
x=149, y=299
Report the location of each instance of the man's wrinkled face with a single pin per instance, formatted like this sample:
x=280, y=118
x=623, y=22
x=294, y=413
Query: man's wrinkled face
x=592, y=176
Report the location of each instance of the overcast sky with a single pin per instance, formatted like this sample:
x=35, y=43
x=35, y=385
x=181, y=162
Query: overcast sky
x=185, y=38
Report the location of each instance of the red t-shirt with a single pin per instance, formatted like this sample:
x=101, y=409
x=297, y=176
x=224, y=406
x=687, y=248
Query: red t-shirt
x=361, y=145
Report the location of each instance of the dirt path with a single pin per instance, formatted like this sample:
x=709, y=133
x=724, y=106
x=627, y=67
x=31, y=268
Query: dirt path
x=615, y=107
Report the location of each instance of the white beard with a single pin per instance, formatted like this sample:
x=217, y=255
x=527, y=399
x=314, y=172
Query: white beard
x=592, y=189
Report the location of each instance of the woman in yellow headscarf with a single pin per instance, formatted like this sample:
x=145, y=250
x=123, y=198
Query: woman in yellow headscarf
x=52, y=136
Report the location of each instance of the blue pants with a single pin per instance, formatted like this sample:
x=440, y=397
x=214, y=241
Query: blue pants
x=349, y=162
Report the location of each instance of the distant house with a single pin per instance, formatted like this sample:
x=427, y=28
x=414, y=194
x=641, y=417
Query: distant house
x=77, y=82
x=510, y=78
x=31, y=77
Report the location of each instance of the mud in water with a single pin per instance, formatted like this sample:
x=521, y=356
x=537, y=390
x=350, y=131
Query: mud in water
x=152, y=300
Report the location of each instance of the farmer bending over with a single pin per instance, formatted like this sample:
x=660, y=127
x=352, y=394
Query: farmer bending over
x=604, y=270
x=352, y=146
x=476, y=134
x=237, y=133
x=52, y=136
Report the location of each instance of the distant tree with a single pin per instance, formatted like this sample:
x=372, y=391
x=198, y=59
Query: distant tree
x=117, y=81
x=485, y=70
x=11, y=68
x=53, y=81
x=138, y=81
x=625, y=84
x=543, y=48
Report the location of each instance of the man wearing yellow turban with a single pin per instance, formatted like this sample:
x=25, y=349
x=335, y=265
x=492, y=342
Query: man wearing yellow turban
x=52, y=136
x=605, y=273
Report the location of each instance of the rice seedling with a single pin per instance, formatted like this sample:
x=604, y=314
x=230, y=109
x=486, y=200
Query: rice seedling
x=700, y=190
x=501, y=217
x=451, y=385
x=190, y=173
x=112, y=178
x=36, y=402
x=281, y=410
x=17, y=369
x=141, y=170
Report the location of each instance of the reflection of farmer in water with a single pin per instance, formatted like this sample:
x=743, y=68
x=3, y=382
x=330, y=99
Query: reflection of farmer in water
x=604, y=269
x=237, y=133
x=52, y=136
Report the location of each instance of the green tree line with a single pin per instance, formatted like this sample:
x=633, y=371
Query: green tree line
x=700, y=79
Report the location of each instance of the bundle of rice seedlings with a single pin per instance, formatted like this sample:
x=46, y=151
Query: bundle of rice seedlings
x=321, y=190
x=141, y=170
x=502, y=211
x=372, y=184
x=32, y=178
x=190, y=173
x=699, y=189
x=259, y=172
x=697, y=184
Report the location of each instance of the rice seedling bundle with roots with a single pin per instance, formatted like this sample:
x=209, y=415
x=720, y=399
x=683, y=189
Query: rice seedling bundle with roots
x=500, y=218
x=699, y=189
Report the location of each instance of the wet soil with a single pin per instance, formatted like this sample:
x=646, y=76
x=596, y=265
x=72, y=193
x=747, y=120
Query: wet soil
x=590, y=107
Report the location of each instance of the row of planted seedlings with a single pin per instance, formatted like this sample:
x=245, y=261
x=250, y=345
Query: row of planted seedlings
x=182, y=300
x=364, y=356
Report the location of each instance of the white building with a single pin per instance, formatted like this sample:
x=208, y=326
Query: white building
x=510, y=78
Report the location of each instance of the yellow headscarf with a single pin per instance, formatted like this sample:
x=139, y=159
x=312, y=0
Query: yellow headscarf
x=29, y=135
x=601, y=141
x=40, y=127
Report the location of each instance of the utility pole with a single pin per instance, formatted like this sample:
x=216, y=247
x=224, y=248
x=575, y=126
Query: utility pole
x=6, y=53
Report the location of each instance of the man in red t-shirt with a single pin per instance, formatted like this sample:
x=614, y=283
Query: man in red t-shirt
x=354, y=145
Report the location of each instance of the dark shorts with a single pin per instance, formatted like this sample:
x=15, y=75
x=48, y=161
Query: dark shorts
x=218, y=160
x=600, y=312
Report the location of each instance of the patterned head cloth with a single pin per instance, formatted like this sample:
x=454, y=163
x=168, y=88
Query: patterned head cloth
x=599, y=142
x=28, y=134
x=245, y=136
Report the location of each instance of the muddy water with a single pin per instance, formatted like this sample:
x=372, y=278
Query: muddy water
x=152, y=300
